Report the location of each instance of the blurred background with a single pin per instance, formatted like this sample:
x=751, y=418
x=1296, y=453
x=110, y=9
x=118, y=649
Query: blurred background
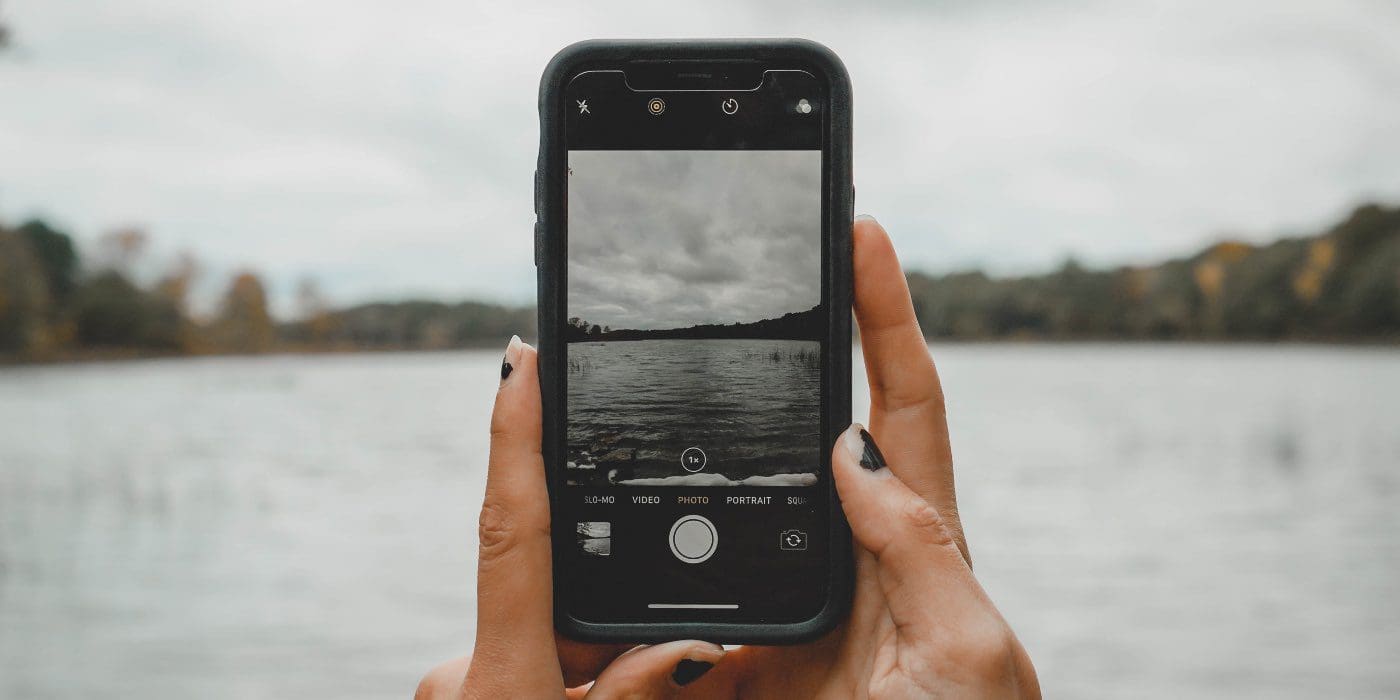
x=258, y=262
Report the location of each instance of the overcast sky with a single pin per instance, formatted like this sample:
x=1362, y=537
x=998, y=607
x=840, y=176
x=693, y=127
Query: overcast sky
x=669, y=239
x=386, y=148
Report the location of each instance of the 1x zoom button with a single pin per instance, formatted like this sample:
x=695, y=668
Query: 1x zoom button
x=693, y=459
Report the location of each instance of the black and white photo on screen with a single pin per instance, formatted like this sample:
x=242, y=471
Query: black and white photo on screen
x=695, y=323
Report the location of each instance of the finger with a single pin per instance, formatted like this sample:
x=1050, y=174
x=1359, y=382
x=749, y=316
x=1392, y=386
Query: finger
x=582, y=662
x=795, y=671
x=906, y=398
x=656, y=671
x=514, y=630
x=921, y=571
x=868, y=609
x=445, y=681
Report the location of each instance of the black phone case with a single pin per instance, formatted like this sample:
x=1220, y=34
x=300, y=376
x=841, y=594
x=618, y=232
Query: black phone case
x=550, y=246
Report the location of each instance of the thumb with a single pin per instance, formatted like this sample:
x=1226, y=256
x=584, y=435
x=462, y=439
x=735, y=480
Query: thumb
x=920, y=568
x=656, y=671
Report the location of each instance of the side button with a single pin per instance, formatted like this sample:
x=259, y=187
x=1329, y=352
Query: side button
x=539, y=242
x=539, y=193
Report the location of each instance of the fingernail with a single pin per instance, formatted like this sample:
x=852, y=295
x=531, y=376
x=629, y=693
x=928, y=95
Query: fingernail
x=864, y=217
x=861, y=445
x=512, y=357
x=689, y=669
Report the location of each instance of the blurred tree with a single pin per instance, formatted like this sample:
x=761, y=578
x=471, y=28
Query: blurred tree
x=1343, y=284
x=121, y=249
x=1361, y=292
x=244, y=324
x=173, y=288
x=1257, y=299
x=314, y=310
x=111, y=312
x=1308, y=281
x=56, y=255
x=24, y=299
x=310, y=301
x=176, y=283
x=6, y=35
x=421, y=324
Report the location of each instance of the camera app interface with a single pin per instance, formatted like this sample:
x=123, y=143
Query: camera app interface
x=694, y=343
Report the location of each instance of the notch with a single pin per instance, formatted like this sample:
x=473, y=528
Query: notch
x=648, y=76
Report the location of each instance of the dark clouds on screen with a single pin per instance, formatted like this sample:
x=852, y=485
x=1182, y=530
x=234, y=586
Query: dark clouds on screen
x=668, y=239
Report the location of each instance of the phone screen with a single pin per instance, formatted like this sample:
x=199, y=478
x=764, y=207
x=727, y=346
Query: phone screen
x=695, y=336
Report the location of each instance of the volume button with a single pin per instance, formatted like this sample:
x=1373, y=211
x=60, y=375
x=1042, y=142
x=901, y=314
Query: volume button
x=539, y=227
x=539, y=193
x=539, y=243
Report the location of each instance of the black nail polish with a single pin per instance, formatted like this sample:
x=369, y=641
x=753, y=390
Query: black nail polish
x=870, y=457
x=505, y=369
x=688, y=670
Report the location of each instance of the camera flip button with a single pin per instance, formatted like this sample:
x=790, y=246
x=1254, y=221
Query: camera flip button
x=792, y=540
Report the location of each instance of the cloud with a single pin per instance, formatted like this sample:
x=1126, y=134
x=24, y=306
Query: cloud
x=387, y=149
x=669, y=239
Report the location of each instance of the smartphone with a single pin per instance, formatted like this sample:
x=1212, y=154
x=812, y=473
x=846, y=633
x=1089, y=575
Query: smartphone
x=693, y=242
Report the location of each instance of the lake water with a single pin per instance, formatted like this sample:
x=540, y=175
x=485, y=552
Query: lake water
x=635, y=407
x=1155, y=521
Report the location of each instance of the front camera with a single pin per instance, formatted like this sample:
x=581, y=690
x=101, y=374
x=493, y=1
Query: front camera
x=655, y=106
x=804, y=107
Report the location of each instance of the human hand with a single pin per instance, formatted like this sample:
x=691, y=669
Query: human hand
x=517, y=654
x=920, y=624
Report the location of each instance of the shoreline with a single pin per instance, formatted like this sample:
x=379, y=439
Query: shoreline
x=117, y=356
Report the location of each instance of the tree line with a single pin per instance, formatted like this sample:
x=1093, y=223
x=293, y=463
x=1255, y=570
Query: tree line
x=54, y=305
x=797, y=325
x=1340, y=285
